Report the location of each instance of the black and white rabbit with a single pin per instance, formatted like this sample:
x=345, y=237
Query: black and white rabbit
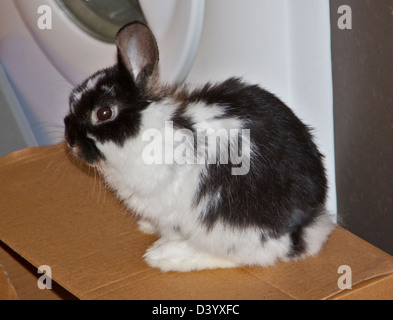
x=225, y=174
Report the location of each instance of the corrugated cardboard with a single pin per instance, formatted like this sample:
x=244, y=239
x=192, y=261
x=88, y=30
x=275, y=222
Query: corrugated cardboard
x=58, y=214
x=7, y=290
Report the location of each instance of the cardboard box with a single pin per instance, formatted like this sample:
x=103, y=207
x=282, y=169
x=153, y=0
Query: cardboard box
x=55, y=214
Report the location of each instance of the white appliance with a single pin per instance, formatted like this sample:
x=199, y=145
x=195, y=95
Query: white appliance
x=44, y=64
x=283, y=45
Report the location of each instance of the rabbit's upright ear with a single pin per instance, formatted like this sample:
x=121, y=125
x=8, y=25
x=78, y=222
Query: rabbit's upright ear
x=138, y=52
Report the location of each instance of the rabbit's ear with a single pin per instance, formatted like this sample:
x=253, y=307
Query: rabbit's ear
x=138, y=52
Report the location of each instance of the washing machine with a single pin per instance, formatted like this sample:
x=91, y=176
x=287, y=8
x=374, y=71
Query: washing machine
x=48, y=46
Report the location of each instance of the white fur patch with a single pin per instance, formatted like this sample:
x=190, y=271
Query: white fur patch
x=159, y=192
x=200, y=113
x=92, y=82
x=316, y=234
x=179, y=255
x=76, y=95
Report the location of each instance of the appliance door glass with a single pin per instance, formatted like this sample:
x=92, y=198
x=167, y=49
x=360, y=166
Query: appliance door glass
x=102, y=18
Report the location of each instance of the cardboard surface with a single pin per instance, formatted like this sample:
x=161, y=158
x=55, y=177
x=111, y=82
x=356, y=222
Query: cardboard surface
x=23, y=277
x=56, y=214
x=7, y=290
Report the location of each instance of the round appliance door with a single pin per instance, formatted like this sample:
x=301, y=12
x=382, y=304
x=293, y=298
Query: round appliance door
x=78, y=36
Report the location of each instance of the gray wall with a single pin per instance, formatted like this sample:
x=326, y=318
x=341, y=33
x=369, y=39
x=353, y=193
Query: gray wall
x=363, y=116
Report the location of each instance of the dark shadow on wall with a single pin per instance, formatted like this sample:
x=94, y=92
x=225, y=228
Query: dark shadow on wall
x=363, y=116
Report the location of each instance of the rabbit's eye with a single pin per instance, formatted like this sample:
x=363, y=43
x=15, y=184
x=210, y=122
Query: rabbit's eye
x=104, y=114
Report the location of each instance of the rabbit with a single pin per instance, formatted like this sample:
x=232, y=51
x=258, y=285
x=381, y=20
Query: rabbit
x=225, y=174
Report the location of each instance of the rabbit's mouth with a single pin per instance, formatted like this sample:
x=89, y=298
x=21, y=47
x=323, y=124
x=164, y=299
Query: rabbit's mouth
x=81, y=144
x=88, y=153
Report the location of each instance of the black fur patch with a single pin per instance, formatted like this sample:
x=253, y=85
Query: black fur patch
x=115, y=88
x=297, y=243
x=286, y=177
x=182, y=122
